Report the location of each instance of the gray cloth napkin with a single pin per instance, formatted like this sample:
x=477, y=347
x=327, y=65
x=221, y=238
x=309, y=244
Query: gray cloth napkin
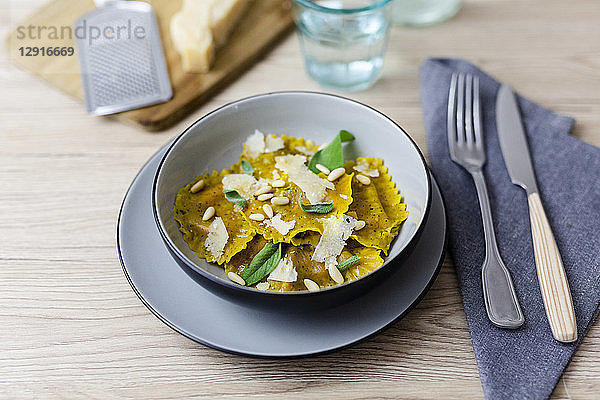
x=526, y=363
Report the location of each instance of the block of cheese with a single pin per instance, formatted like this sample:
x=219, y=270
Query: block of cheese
x=200, y=27
x=193, y=41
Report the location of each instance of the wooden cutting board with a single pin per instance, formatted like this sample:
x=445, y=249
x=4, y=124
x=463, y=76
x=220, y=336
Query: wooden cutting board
x=265, y=22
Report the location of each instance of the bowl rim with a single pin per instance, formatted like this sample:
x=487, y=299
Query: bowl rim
x=305, y=293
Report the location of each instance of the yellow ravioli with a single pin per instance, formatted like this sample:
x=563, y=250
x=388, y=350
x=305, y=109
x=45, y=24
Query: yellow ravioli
x=190, y=207
x=370, y=260
x=241, y=260
x=379, y=204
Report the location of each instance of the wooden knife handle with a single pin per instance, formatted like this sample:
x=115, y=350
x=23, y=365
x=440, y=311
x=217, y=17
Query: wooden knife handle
x=551, y=274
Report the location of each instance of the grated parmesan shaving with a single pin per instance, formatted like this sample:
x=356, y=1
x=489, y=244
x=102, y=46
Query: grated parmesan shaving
x=244, y=184
x=311, y=184
x=273, y=143
x=335, y=233
x=255, y=144
x=304, y=150
x=284, y=272
x=217, y=238
x=363, y=167
x=280, y=225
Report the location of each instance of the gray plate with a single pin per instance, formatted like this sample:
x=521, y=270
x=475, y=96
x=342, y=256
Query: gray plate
x=178, y=301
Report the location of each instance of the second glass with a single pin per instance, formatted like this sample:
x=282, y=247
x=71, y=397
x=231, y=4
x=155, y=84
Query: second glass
x=343, y=41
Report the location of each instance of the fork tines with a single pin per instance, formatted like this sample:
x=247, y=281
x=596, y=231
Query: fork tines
x=464, y=117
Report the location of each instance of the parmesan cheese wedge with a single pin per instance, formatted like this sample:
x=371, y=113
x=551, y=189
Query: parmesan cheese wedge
x=200, y=27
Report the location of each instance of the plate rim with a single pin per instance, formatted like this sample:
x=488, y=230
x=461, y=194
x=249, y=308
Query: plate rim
x=214, y=346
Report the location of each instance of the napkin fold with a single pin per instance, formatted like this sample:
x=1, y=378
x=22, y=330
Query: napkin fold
x=524, y=363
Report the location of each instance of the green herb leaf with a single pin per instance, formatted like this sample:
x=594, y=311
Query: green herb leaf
x=235, y=197
x=257, y=265
x=331, y=156
x=319, y=208
x=266, y=268
x=247, y=168
x=348, y=263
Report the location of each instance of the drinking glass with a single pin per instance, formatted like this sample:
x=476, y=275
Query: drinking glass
x=423, y=12
x=343, y=41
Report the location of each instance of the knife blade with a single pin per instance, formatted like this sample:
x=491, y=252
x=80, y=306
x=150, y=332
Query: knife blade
x=513, y=141
x=550, y=270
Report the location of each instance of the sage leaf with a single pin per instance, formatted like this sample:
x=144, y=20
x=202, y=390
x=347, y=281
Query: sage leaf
x=234, y=197
x=247, y=168
x=348, y=263
x=319, y=208
x=259, y=259
x=266, y=268
x=331, y=156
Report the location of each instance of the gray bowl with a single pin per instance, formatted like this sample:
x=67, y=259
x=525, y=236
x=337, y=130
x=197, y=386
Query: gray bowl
x=214, y=142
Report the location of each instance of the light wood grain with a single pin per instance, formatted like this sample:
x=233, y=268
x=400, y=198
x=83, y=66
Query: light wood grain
x=263, y=24
x=551, y=274
x=70, y=325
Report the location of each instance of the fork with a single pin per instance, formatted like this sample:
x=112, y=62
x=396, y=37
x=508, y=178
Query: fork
x=465, y=142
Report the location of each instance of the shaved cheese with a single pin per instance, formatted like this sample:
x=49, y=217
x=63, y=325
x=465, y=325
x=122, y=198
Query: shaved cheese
x=255, y=144
x=217, y=238
x=263, y=286
x=244, y=184
x=335, y=233
x=280, y=225
x=284, y=272
x=303, y=149
x=273, y=143
x=310, y=183
x=363, y=167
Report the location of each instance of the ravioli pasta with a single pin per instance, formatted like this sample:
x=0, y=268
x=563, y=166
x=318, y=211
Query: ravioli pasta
x=277, y=220
x=378, y=204
x=190, y=207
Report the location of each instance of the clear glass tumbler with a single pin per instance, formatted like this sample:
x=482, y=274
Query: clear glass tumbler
x=343, y=41
x=424, y=12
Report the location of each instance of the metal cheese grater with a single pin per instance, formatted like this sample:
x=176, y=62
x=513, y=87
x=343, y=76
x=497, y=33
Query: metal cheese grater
x=121, y=58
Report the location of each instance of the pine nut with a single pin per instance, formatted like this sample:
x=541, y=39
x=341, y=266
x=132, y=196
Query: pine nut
x=257, y=217
x=198, y=186
x=278, y=183
x=265, y=196
x=335, y=174
x=335, y=274
x=208, y=214
x=236, y=278
x=263, y=190
x=365, y=180
x=359, y=225
x=268, y=210
x=263, y=286
x=311, y=285
x=323, y=169
x=280, y=201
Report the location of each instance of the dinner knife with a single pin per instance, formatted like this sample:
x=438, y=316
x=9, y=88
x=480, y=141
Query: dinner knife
x=550, y=270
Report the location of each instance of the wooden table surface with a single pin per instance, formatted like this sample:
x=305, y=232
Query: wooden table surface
x=70, y=325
